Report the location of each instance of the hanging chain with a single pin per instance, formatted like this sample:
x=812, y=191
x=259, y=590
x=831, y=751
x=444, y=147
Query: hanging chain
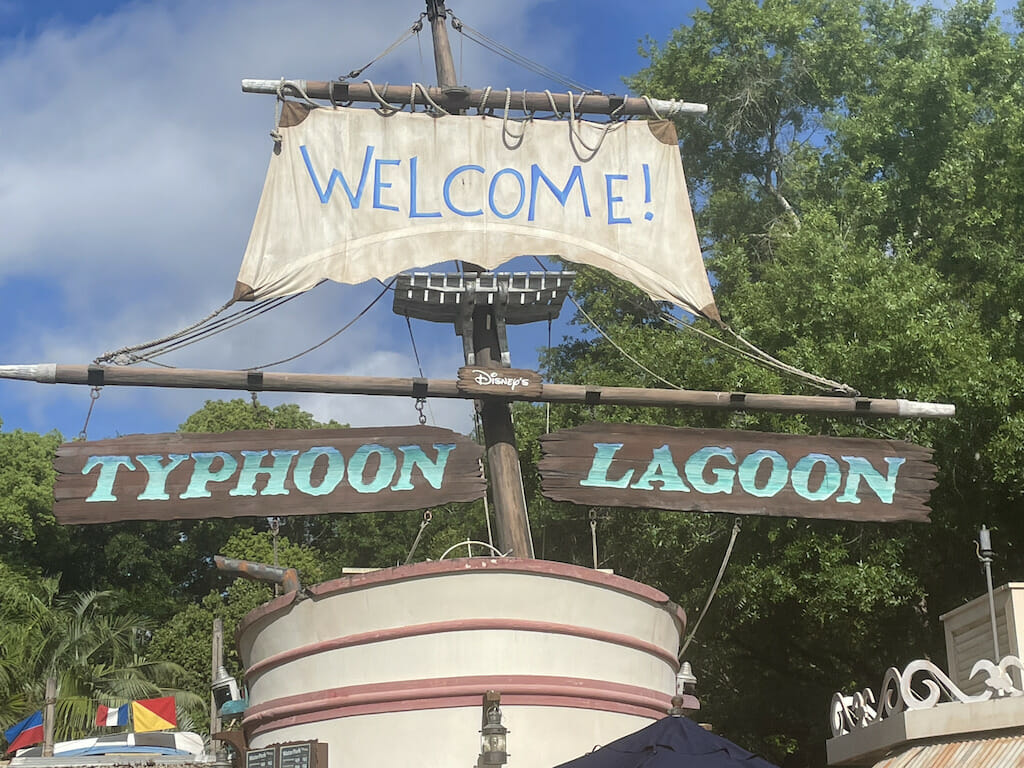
x=94, y=395
x=427, y=517
x=593, y=534
x=420, y=403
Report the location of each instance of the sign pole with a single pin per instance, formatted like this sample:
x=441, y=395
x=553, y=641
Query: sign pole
x=49, y=715
x=216, y=660
x=513, y=522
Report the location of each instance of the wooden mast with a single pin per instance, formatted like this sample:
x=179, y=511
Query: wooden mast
x=513, y=522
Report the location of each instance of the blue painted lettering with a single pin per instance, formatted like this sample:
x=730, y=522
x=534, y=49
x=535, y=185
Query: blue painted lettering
x=561, y=195
x=612, y=199
x=494, y=184
x=413, y=213
x=338, y=176
x=379, y=184
x=450, y=179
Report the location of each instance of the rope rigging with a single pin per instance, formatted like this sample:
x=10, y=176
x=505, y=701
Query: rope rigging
x=751, y=353
x=211, y=326
x=415, y=29
x=206, y=328
x=492, y=45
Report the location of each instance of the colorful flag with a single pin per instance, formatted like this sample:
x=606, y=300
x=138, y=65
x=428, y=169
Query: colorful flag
x=154, y=714
x=112, y=715
x=26, y=733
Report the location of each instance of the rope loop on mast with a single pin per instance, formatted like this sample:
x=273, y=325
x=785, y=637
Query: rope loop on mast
x=551, y=101
x=652, y=108
x=506, y=134
x=574, y=131
x=482, y=106
x=386, y=108
x=429, y=99
x=282, y=91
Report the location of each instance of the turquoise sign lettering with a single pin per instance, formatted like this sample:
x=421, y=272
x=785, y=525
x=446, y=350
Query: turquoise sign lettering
x=317, y=471
x=598, y=475
x=761, y=473
x=108, y=473
x=662, y=470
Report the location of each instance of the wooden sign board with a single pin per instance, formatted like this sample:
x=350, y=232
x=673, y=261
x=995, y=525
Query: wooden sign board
x=267, y=472
x=261, y=758
x=740, y=472
x=519, y=383
x=292, y=754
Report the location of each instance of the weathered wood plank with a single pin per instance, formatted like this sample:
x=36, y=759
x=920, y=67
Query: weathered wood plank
x=739, y=472
x=520, y=383
x=267, y=472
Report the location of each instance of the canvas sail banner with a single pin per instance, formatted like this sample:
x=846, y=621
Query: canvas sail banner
x=353, y=195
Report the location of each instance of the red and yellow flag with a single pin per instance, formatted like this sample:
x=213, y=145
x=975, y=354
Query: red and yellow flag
x=154, y=714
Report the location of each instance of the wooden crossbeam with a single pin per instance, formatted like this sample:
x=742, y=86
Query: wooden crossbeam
x=257, y=381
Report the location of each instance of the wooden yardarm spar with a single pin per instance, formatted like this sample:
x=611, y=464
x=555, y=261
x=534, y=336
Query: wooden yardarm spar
x=248, y=381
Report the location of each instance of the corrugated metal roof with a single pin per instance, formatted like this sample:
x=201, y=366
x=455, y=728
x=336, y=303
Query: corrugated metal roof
x=999, y=752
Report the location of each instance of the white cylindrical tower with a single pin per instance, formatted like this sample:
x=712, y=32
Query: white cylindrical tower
x=390, y=667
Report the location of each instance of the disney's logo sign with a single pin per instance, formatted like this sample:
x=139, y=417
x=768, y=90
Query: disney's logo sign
x=495, y=379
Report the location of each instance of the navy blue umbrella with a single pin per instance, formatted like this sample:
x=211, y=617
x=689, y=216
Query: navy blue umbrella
x=673, y=742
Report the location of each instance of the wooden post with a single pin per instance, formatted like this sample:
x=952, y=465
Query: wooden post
x=443, y=62
x=502, y=453
x=216, y=662
x=495, y=415
x=49, y=715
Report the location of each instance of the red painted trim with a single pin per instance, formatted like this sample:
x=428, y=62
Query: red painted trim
x=445, y=693
x=462, y=625
x=443, y=567
x=472, y=702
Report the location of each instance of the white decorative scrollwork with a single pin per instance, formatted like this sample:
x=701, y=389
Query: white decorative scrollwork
x=901, y=691
x=999, y=680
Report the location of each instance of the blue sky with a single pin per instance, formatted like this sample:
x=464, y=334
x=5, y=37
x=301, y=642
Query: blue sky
x=131, y=165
